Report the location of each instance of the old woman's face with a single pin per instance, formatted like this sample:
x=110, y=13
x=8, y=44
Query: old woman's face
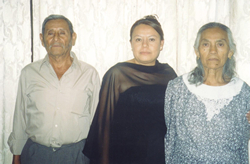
x=214, y=49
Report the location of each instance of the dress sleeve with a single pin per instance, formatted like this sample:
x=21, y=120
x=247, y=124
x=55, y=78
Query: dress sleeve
x=97, y=144
x=18, y=137
x=170, y=119
x=248, y=132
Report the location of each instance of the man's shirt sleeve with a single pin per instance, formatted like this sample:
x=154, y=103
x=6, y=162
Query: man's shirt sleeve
x=18, y=136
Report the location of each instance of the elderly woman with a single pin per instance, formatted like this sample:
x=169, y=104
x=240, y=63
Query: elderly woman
x=129, y=125
x=205, y=109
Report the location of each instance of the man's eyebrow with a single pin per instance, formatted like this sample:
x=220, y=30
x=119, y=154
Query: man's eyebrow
x=54, y=29
x=204, y=40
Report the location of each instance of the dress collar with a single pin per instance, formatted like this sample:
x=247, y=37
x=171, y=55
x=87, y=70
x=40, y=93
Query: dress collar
x=215, y=92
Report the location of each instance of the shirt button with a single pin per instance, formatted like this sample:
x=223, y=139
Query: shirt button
x=56, y=126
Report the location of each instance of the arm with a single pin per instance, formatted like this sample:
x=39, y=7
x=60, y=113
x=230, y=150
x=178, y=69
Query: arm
x=95, y=94
x=16, y=159
x=248, y=116
x=18, y=136
x=97, y=144
x=245, y=147
x=169, y=107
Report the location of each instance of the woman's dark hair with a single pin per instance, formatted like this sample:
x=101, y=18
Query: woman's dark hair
x=149, y=20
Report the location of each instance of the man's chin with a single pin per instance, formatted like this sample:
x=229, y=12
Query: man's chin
x=58, y=54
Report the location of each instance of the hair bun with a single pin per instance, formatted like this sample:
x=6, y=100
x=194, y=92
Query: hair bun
x=155, y=17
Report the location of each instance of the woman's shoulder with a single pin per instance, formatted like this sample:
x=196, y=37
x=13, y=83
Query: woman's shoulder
x=245, y=86
x=116, y=70
x=178, y=80
x=176, y=84
x=164, y=65
x=166, y=68
x=244, y=89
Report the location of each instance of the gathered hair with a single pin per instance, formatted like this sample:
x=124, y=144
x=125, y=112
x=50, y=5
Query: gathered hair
x=149, y=20
x=53, y=17
x=196, y=76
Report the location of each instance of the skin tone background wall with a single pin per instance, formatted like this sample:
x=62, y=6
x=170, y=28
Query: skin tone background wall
x=102, y=28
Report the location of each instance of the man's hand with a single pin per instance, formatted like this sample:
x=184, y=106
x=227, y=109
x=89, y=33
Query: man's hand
x=16, y=159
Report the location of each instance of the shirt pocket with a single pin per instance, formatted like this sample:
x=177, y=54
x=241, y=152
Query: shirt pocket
x=40, y=98
x=81, y=103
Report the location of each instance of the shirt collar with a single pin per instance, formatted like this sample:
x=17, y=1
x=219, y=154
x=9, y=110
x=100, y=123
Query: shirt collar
x=75, y=63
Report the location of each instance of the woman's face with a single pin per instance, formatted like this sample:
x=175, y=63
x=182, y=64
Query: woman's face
x=214, y=49
x=146, y=45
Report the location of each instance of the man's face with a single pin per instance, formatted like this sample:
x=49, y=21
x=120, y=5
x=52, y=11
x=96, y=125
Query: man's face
x=214, y=49
x=57, y=39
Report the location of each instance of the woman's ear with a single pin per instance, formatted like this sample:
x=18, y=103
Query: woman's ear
x=230, y=54
x=197, y=53
x=162, y=44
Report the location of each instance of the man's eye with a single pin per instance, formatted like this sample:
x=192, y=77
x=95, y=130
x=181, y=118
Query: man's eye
x=137, y=39
x=62, y=33
x=50, y=33
x=152, y=39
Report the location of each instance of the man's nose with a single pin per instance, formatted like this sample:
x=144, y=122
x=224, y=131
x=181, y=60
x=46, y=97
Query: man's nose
x=56, y=36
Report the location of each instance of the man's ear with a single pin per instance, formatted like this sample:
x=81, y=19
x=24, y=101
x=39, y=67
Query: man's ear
x=74, y=36
x=41, y=38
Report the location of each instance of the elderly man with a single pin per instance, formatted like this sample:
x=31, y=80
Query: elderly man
x=56, y=100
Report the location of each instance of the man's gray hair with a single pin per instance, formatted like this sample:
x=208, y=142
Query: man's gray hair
x=53, y=17
x=196, y=76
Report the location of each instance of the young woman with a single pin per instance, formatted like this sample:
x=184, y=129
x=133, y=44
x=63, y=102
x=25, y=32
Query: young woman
x=129, y=125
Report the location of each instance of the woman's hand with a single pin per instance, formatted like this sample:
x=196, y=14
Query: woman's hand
x=16, y=159
x=248, y=116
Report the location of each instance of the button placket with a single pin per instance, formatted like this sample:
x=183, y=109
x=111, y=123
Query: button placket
x=56, y=121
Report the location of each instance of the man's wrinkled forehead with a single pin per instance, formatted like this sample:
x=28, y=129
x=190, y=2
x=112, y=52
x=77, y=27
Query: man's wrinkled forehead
x=57, y=23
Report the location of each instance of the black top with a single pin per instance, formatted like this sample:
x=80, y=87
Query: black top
x=138, y=127
x=130, y=111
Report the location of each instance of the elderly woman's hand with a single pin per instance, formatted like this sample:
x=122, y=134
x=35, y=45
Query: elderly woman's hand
x=248, y=116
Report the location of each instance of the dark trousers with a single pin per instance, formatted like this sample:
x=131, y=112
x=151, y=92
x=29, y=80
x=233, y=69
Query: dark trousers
x=34, y=153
